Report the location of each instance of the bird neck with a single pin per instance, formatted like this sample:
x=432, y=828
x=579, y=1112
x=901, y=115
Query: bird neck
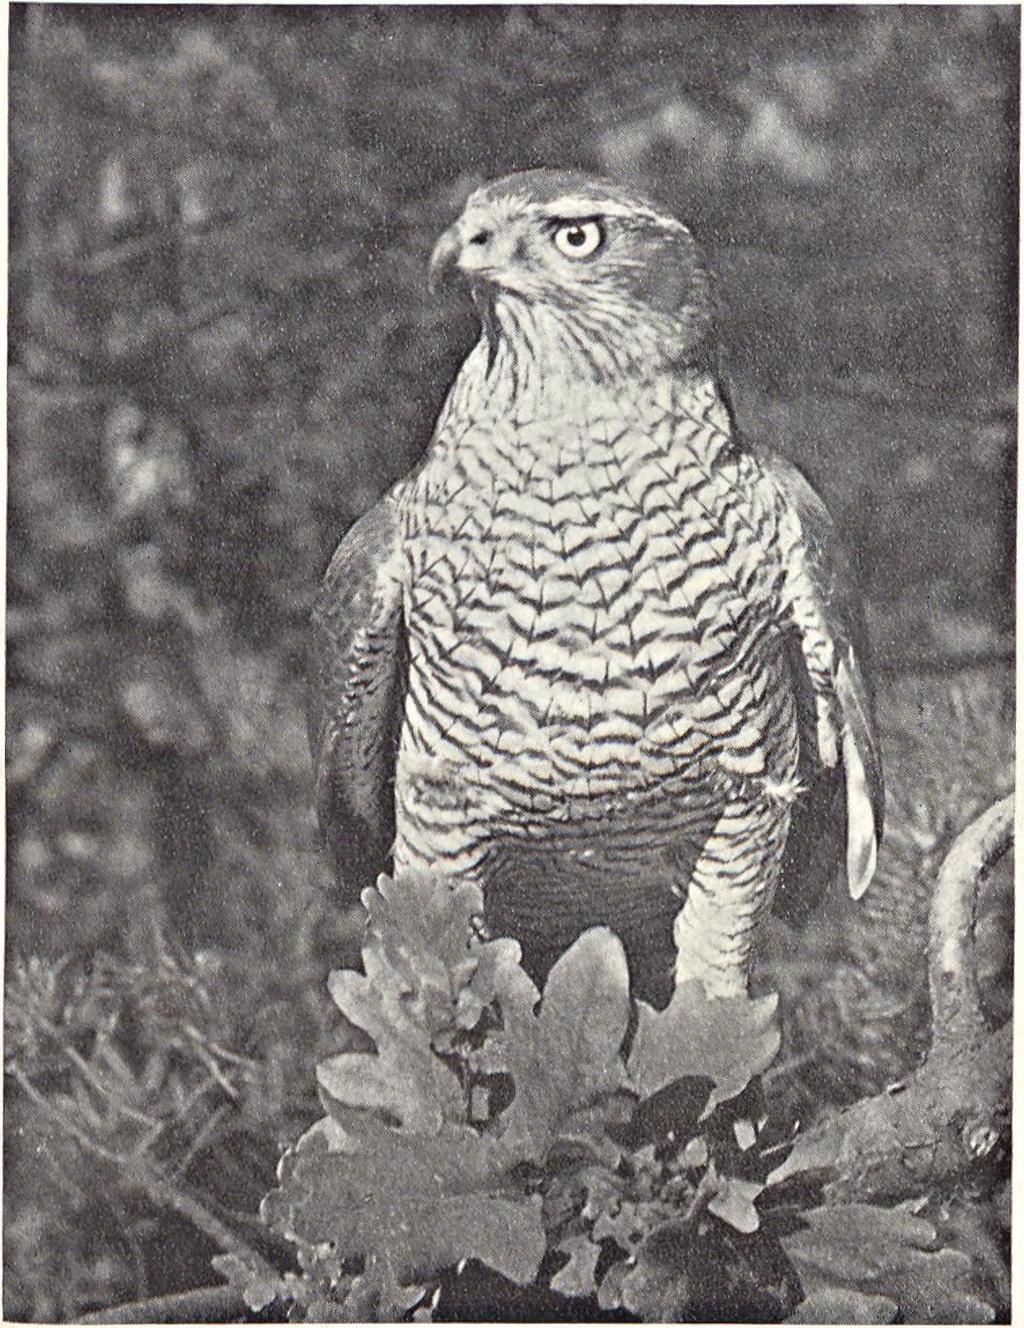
x=580, y=400
x=538, y=346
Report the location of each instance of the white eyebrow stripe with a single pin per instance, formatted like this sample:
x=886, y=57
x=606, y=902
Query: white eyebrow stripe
x=573, y=205
x=567, y=208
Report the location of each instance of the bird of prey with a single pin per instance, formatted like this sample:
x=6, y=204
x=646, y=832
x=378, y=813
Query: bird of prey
x=595, y=652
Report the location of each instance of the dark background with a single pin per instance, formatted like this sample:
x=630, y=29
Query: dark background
x=222, y=350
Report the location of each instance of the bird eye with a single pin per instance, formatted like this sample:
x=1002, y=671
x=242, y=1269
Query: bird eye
x=578, y=239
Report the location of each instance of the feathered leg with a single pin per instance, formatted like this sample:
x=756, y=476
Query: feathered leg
x=729, y=891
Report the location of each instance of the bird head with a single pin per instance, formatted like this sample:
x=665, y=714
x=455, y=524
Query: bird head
x=555, y=253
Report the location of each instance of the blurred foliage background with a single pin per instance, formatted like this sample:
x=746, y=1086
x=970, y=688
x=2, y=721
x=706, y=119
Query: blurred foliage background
x=222, y=351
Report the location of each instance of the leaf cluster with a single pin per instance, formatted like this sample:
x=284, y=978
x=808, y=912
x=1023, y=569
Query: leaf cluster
x=570, y=1141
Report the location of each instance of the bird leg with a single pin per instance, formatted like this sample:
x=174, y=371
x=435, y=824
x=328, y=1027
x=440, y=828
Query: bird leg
x=730, y=890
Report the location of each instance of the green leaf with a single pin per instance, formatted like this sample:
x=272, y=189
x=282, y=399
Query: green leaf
x=404, y=1078
x=609, y=1293
x=325, y=1309
x=814, y=1151
x=658, y=1286
x=728, y=1040
x=734, y=1203
x=577, y=1277
x=839, y=1306
x=887, y=1253
x=422, y=949
x=567, y=1057
x=427, y=978
x=612, y=1212
x=256, y=1287
x=686, y=1268
x=428, y=1201
x=376, y=1296
x=973, y=1227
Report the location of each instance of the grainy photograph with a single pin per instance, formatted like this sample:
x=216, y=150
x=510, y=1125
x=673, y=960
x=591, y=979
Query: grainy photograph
x=510, y=635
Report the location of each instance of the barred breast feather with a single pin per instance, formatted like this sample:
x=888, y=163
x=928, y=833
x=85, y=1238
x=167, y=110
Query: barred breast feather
x=585, y=644
x=590, y=612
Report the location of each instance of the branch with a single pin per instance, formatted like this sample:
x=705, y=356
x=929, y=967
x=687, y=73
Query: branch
x=957, y=1018
x=917, y=1136
x=144, y=1173
x=214, y=1304
x=153, y=238
x=951, y=1113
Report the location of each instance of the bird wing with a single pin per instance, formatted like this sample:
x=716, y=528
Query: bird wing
x=357, y=684
x=840, y=764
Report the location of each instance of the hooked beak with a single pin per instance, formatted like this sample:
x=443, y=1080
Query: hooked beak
x=445, y=258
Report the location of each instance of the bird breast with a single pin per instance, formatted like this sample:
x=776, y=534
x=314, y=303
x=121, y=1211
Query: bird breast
x=591, y=605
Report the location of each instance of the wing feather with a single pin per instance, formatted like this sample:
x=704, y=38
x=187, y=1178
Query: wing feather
x=850, y=794
x=357, y=686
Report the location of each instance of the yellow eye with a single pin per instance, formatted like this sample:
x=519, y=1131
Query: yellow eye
x=578, y=239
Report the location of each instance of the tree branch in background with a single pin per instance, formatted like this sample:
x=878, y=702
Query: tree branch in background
x=140, y=1171
x=957, y=1018
x=152, y=238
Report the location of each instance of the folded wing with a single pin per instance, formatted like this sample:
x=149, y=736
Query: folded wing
x=839, y=821
x=357, y=676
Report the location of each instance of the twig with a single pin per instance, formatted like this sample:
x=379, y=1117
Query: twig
x=214, y=1304
x=88, y=1073
x=199, y=1045
x=957, y=1019
x=159, y=234
x=203, y=1136
x=707, y=1187
x=223, y=1053
x=149, y=1139
x=145, y=1174
x=65, y=1122
x=130, y=1234
x=784, y=1069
